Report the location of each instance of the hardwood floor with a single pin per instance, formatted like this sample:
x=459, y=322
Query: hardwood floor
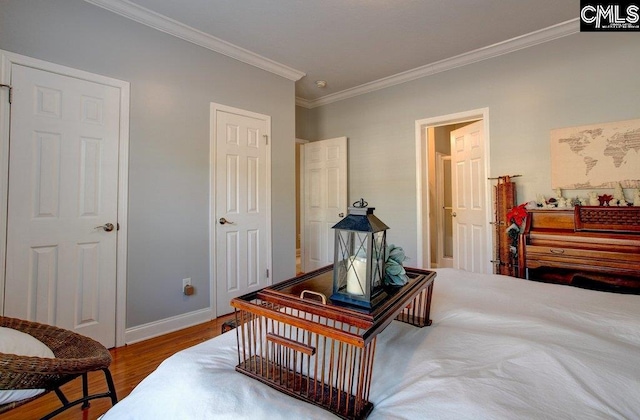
x=131, y=364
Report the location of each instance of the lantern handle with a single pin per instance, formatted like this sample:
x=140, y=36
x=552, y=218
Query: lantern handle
x=360, y=204
x=323, y=297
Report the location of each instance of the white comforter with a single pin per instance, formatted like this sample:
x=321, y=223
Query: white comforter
x=499, y=348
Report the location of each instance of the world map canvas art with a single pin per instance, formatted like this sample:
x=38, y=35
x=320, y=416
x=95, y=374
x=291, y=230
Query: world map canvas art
x=596, y=156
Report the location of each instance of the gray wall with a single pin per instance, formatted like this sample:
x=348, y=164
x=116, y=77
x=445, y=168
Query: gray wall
x=303, y=123
x=581, y=79
x=172, y=85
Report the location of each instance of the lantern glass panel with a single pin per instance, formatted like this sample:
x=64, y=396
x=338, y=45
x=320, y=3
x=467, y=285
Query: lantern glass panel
x=352, y=263
x=377, y=258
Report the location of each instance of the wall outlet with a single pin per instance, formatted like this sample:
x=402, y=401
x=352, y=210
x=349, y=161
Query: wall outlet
x=186, y=282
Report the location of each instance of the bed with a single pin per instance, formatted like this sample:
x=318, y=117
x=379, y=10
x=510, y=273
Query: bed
x=498, y=348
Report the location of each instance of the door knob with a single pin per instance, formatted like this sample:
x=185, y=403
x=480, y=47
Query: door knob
x=453, y=214
x=224, y=221
x=107, y=227
x=340, y=214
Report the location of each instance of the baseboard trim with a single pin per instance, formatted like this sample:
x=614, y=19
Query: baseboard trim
x=167, y=325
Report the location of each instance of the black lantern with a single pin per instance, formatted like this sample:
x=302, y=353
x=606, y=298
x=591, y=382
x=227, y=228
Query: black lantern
x=359, y=260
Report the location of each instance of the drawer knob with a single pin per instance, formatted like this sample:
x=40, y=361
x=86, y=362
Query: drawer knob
x=556, y=251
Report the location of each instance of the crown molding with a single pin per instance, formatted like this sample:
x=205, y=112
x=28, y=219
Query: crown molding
x=172, y=27
x=308, y=103
x=560, y=30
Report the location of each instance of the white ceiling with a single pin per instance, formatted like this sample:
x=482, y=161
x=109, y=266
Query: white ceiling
x=350, y=43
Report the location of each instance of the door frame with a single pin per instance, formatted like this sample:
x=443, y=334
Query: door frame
x=213, y=121
x=422, y=171
x=7, y=59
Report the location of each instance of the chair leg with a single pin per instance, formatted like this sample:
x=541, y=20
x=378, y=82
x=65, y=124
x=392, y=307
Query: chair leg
x=111, y=386
x=63, y=399
x=85, y=390
x=66, y=404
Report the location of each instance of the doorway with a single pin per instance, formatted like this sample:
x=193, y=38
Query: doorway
x=437, y=223
x=63, y=221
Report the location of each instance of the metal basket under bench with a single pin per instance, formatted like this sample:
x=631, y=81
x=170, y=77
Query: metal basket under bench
x=295, y=340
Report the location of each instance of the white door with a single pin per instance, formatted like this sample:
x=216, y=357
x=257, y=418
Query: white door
x=445, y=210
x=63, y=183
x=325, y=198
x=469, y=212
x=242, y=207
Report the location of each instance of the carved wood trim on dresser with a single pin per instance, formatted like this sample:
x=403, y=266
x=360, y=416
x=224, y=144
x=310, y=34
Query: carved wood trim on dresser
x=586, y=246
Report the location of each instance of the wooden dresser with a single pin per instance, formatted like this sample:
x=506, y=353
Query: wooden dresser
x=595, y=247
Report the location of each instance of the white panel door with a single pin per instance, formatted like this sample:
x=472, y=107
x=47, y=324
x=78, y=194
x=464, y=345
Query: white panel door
x=241, y=205
x=469, y=190
x=325, y=199
x=63, y=182
x=445, y=210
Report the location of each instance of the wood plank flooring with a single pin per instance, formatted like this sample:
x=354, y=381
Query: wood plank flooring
x=131, y=364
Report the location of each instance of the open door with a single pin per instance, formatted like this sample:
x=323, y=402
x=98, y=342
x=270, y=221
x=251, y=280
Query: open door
x=444, y=208
x=325, y=199
x=469, y=211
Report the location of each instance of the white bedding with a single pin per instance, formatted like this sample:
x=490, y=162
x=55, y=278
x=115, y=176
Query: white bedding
x=499, y=348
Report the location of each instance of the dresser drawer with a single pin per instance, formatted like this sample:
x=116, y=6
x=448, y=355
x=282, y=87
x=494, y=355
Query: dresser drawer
x=597, y=260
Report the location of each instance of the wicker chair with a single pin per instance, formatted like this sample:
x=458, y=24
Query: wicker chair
x=75, y=355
